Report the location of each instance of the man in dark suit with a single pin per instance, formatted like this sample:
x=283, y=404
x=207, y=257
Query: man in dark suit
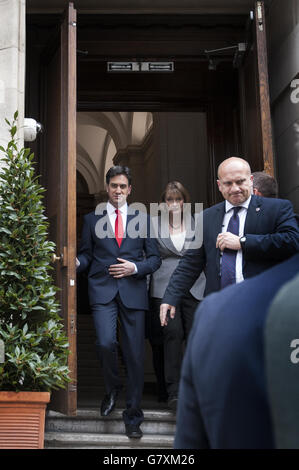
x=118, y=264
x=282, y=364
x=264, y=185
x=223, y=396
x=242, y=236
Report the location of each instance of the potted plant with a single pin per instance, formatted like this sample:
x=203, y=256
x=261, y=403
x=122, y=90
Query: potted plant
x=35, y=345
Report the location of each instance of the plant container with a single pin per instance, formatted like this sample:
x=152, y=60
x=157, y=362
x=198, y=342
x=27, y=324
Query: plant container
x=22, y=419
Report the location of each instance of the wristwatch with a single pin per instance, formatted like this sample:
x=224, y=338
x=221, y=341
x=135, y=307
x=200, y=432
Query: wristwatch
x=242, y=241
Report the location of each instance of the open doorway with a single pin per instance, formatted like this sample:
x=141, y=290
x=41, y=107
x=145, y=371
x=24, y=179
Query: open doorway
x=165, y=126
x=158, y=148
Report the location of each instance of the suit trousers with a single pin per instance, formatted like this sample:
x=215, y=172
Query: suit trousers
x=173, y=336
x=105, y=318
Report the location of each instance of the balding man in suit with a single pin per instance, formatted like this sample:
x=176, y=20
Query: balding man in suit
x=242, y=237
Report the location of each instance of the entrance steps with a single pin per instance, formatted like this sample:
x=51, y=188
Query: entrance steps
x=89, y=430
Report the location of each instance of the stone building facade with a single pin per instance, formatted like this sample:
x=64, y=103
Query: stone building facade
x=166, y=141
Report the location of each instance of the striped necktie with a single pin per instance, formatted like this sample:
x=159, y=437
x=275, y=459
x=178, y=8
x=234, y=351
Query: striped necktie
x=228, y=264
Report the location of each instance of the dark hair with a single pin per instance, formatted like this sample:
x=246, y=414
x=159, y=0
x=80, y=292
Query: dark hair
x=118, y=170
x=265, y=184
x=175, y=187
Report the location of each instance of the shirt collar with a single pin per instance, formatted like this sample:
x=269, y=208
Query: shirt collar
x=111, y=209
x=229, y=206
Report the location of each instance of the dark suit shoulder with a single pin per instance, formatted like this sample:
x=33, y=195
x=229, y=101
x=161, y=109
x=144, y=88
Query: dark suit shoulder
x=215, y=208
x=249, y=295
x=270, y=202
x=91, y=216
x=137, y=209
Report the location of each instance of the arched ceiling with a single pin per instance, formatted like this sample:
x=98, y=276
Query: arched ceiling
x=100, y=135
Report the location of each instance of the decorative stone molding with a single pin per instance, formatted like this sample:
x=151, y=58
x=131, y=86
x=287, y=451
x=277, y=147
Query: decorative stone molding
x=12, y=65
x=135, y=154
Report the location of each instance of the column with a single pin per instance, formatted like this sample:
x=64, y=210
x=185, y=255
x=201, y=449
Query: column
x=12, y=66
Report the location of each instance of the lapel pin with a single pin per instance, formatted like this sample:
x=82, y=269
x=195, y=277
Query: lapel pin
x=258, y=209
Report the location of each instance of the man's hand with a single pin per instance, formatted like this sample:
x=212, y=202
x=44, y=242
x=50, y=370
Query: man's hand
x=125, y=268
x=163, y=313
x=228, y=240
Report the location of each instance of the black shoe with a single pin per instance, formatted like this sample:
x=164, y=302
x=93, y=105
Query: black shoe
x=133, y=431
x=173, y=402
x=108, y=403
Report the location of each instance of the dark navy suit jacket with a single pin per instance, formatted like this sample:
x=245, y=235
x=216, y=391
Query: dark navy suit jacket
x=223, y=399
x=99, y=249
x=271, y=234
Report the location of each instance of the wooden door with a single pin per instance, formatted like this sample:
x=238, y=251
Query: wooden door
x=254, y=97
x=58, y=170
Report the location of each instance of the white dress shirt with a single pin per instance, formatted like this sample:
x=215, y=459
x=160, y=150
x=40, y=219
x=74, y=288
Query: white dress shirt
x=112, y=215
x=242, y=217
x=178, y=240
x=112, y=218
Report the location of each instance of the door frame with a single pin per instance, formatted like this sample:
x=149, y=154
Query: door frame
x=68, y=148
x=58, y=77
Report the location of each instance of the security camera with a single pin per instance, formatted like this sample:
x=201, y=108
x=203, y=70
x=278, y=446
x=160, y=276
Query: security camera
x=31, y=129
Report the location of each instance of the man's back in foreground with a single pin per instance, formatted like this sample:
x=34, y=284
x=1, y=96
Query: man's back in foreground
x=223, y=399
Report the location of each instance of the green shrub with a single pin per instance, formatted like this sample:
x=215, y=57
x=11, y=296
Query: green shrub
x=36, y=347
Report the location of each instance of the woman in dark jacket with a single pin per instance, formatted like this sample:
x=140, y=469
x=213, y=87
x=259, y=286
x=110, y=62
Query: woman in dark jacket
x=167, y=342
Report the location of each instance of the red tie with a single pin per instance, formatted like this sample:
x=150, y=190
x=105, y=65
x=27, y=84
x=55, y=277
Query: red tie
x=119, y=228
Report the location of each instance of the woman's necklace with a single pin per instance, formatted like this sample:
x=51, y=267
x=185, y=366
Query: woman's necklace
x=175, y=226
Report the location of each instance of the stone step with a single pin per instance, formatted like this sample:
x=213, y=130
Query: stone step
x=98, y=388
x=156, y=422
x=54, y=440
